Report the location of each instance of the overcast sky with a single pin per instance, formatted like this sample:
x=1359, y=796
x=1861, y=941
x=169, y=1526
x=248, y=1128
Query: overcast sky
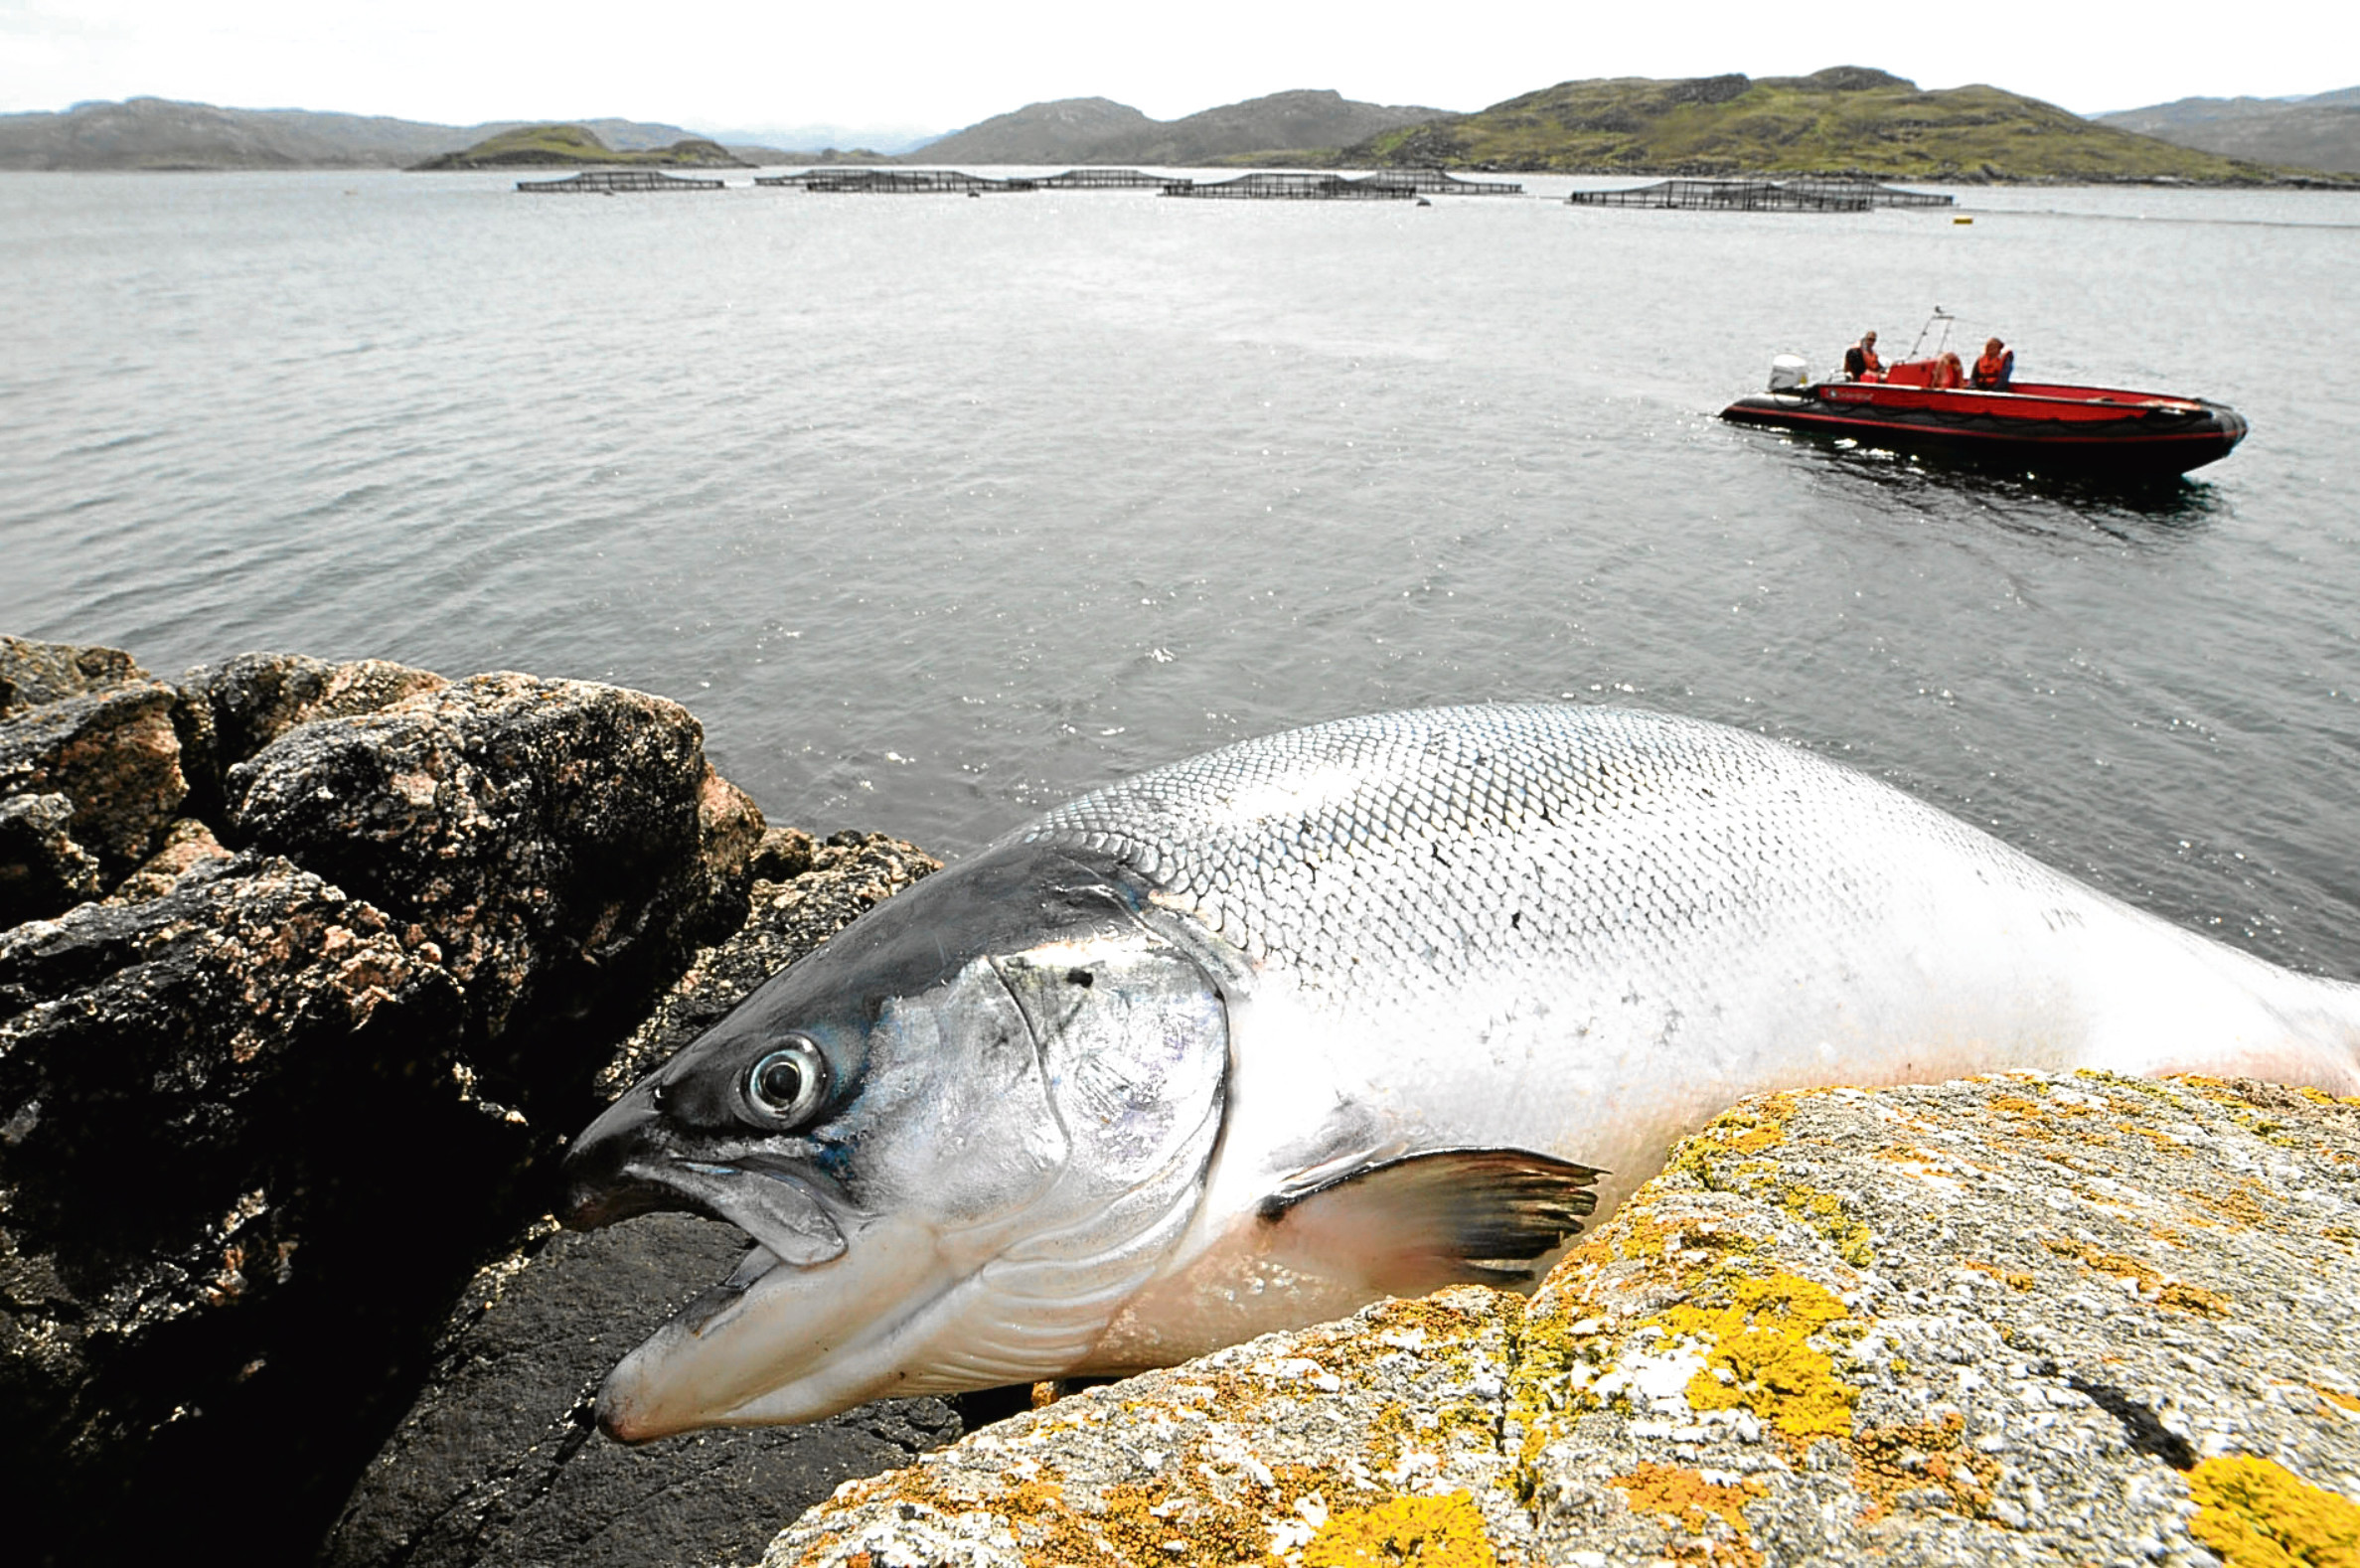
x=731, y=64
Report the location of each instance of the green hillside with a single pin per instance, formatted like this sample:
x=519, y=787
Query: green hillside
x=547, y=146
x=1845, y=120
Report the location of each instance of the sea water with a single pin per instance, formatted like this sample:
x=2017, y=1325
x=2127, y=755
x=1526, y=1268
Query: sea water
x=936, y=511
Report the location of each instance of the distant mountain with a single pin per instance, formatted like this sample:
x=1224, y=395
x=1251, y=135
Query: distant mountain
x=2321, y=131
x=872, y=138
x=1102, y=131
x=574, y=146
x=160, y=133
x=1847, y=119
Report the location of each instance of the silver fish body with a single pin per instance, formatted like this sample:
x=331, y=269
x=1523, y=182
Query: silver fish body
x=1352, y=1010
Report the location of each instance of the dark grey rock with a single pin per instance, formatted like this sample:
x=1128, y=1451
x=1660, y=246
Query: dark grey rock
x=41, y=869
x=565, y=844
x=250, y=1149
x=113, y=752
x=183, y=846
x=497, y=1462
x=500, y=1464
x=238, y=1147
x=227, y=714
x=33, y=673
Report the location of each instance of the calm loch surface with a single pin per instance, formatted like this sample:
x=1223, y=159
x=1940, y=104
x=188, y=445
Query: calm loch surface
x=938, y=511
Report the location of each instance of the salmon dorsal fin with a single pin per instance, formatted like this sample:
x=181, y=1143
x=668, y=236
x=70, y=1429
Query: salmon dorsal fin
x=1443, y=1216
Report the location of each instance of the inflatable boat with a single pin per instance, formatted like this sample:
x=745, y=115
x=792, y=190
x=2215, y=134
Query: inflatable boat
x=2028, y=425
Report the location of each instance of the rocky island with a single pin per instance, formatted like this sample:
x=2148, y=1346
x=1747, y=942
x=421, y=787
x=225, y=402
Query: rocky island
x=308, y=969
x=577, y=146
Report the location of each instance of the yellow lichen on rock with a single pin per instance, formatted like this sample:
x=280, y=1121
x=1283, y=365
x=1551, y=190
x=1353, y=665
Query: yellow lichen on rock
x=1824, y=1212
x=2155, y=1288
x=1691, y=1502
x=1888, y=1461
x=1740, y=1132
x=1427, y=1533
x=1762, y=1341
x=2258, y=1514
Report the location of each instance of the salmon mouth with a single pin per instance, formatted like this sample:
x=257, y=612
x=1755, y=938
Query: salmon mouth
x=779, y=1342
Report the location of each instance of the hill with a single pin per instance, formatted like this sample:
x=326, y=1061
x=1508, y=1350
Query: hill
x=1101, y=132
x=2321, y=131
x=557, y=146
x=162, y=133
x=1847, y=119
x=1065, y=130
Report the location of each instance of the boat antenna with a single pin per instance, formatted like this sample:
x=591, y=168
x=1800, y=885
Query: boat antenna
x=1943, y=316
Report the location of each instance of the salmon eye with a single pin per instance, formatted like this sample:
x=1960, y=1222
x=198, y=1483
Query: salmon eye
x=787, y=1084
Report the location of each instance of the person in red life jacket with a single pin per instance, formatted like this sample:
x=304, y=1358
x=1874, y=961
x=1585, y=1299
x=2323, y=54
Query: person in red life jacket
x=1947, y=372
x=1992, y=371
x=1860, y=362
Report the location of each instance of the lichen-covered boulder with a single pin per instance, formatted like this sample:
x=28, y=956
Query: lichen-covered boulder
x=562, y=842
x=229, y=713
x=2035, y=1319
x=497, y=1461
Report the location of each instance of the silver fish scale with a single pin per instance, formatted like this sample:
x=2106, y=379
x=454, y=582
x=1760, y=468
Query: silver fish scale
x=1441, y=848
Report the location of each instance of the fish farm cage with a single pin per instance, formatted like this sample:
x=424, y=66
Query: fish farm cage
x=607, y=182
x=1434, y=182
x=895, y=182
x=1878, y=195
x=1290, y=188
x=1108, y=180
x=1760, y=196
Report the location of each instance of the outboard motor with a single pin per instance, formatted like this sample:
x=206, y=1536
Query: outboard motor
x=1785, y=373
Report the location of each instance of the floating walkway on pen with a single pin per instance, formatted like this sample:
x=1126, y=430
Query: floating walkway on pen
x=1386, y=184
x=895, y=182
x=1434, y=182
x=1878, y=195
x=1108, y=180
x=1808, y=195
x=1290, y=188
x=607, y=182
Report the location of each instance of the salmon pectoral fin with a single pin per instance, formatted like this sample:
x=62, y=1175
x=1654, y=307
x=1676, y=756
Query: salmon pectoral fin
x=1443, y=1216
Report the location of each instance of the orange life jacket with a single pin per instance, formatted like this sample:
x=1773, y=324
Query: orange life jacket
x=1991, y=369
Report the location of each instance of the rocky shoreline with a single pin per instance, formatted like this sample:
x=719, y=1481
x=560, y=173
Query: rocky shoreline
x=308, y=970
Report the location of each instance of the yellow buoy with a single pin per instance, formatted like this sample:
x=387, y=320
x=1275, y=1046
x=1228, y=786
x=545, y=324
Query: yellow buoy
x=1962, y=220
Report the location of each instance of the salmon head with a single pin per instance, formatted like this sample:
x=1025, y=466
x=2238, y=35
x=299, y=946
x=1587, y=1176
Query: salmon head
x=960, y=1135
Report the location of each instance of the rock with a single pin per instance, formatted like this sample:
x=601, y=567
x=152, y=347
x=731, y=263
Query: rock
x=2074, y=1317
x=42, y=869
x=250, y=1144
x=228, y=714
x=114, y=753
x=35, y=673
x=186, y=844
x=496, y=1464
x=565, y=844
x=501, y=1463
x=238, y=1147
